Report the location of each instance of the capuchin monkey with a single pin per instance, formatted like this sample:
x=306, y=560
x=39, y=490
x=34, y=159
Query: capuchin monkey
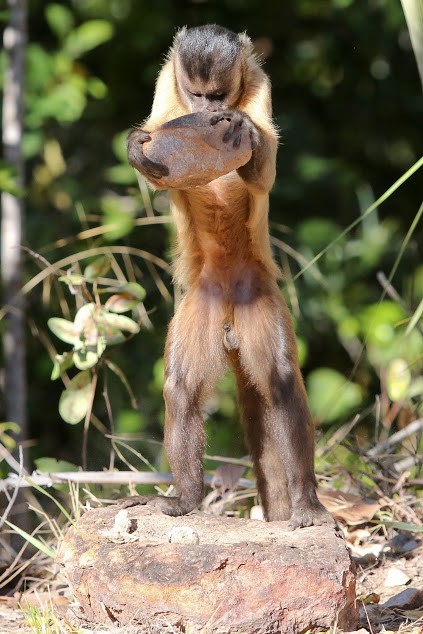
x=232, y=312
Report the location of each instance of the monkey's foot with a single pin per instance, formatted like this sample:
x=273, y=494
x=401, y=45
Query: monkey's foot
x=168, y=505
x=315, y=515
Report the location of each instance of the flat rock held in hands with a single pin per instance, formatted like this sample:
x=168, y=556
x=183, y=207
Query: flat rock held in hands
x=194, y=150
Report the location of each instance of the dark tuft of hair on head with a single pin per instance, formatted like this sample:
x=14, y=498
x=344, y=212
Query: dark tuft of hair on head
x=207, y=51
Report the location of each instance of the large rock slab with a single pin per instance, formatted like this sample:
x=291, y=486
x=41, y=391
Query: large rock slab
x=201, y=573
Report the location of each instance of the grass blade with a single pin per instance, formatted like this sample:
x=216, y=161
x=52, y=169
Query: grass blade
x=47, y=494
x=34, y=541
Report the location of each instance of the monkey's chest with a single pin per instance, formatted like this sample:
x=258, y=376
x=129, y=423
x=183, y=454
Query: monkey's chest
x=229, y=270
x=220, y=242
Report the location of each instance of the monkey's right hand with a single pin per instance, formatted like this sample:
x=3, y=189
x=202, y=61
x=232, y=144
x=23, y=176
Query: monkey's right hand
x=239, y=123
x=136, y=157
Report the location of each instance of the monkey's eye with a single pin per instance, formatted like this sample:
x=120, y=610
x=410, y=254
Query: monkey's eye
x=217, y=96
x=195, y=94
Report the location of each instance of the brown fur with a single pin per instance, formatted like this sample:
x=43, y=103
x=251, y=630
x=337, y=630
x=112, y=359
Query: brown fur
x=232, y=312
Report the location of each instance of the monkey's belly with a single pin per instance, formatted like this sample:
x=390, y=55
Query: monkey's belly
x=194, y=151
x=232, y=287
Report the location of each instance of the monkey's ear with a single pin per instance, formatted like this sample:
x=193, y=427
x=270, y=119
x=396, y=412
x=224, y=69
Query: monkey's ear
x=246, y=43
x=180, y=34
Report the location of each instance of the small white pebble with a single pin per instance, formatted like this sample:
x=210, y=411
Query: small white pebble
x=183, y=535
x=256, y=513
x=122, y=522
x=396, y=577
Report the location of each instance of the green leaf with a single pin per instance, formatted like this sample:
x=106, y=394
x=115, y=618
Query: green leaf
x=62, y=363
x=129, y=421
x=379, y=322
x=60, y=19
x=84, y=315
x=331, y=396
x=119, y=145
x=317, y=232
x=110, y=336
x=101, y=345
x=84, y=359
x=76, y=399
x=134, y=289
x=86, y=325
x=72, y=280
x=39, y=72
x=10, y=426
x=97, y=269
x=398, y=379
x=8, y=180
x=88, y=36
x=63, y=329
x=5, y=438
x=121, y=175
x=118, y=321
x=65, y=102
x=401, y=526
x=96, y=88
x=52, y=465
x=121, y=303
x=32, y=143
x=37, y=543
x=119, y=223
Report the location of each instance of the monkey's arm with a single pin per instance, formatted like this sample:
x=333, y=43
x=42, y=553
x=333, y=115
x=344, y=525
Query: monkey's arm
x=253, y=116
x=260, y=171
x=150, y=169
x=165, y=108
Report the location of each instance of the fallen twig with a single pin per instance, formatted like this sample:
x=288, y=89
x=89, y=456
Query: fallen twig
x=100, y=477
x=409, y=430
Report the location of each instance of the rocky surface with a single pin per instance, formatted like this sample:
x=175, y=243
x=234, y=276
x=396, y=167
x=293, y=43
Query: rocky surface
x=205, y=573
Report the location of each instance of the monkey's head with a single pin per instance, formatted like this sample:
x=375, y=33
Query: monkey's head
x=210, y=63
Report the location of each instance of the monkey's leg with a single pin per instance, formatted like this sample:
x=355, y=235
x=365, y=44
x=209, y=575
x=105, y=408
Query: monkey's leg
x=194, y=358
x=269, y=468
x=284, y=434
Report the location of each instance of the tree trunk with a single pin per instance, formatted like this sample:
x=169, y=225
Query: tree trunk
x=15, y=386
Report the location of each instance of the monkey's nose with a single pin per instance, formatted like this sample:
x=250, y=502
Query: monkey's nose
x=213, y=107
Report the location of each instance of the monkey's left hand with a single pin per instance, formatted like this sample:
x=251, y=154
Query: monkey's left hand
x=239, y=124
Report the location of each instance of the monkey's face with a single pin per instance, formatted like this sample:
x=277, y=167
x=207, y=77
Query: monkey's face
x=220, y=93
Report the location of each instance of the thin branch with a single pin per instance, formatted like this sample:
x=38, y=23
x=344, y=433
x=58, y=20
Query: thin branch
x=88, y=419
x=101, y=477
x=399, y=436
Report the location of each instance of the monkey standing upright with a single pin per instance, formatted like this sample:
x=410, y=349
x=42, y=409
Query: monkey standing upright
x=232, y=312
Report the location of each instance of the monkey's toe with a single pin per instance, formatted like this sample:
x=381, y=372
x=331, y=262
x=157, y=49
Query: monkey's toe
x=311, y=517
x=168, y=505
x=134, y=500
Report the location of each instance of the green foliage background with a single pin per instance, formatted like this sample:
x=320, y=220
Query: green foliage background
x=349, y=107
